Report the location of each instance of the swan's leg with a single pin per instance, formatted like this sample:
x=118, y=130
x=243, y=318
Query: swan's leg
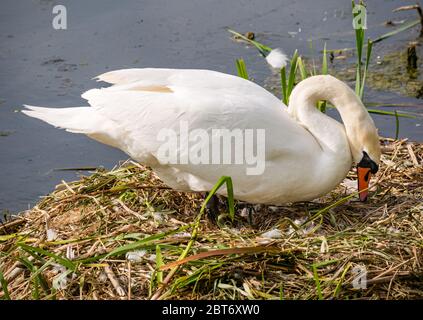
x=212, y=208
x=251, y=210
x=248, y=212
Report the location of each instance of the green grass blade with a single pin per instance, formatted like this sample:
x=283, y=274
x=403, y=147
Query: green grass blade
x=384, y=112
x=301, y=67
x=393, y=105
x=317, y=281
x=325, y=263
x=42, y=268
x=159, y=264
x=263, y=49
x=368, y=54
x=241, y=68
x=397, y=125
x=359, y=44
x=313, y=71
x=59, y=278
x=63, y=261
x=292, y=74
x=366, y=67
x=26, y=263
x=231, y=201
x=35, y=291
x=138, y=244
x=339, y=285
x=404, y=27
x=390, y=113
x=8, y=237
x=321, y=105
x=212, y=192
x=359, y=36
x=3, y=283
x=284, y=86
x=196, y=275
x=359, y=41
x=357, y=81
x=229, y=188
x=321, y=212
x=386, y=35
x=36, y=277
x=325, y=61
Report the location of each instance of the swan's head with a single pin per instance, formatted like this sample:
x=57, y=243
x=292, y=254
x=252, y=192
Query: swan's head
x=365, y=140
x=361, y=131
x=365, y=149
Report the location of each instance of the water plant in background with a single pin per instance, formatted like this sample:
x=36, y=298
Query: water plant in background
x=288, y=86
x=263, y=49
x=360, y=78
x=298, y=69
x=396, y=31
x=241, y=68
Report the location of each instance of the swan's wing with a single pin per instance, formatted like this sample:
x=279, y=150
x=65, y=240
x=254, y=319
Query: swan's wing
x=151, y=78
x=125, y=76
x=144, y=101
x=143, y=114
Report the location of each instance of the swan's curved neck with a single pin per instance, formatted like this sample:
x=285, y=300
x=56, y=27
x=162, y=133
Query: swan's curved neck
x=331, y=135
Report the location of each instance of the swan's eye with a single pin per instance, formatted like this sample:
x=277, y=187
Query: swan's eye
x=366, y=162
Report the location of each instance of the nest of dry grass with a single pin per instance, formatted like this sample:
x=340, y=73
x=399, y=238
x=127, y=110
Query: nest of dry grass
x=122, y=234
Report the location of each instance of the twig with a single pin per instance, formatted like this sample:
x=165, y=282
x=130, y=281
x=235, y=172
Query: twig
x=15, y=270
x=115, y=282
x=413, y=7
x=129, y=281
x=393, y=268
x=11, y=224
x=202, y=255
x=412, y=155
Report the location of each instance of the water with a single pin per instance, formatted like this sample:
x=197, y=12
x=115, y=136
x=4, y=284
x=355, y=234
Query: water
x=47, y=67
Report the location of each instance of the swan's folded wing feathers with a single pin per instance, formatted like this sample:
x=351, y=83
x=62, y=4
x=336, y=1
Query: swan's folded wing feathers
x=144, y=113
x=125, y=76
x=203, y=100
x=188, y=78
x=163, y=76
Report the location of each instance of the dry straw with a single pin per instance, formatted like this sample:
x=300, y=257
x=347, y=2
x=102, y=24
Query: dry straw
x=120, y=235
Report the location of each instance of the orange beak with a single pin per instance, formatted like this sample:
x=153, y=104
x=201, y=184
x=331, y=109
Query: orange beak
x=363, y=182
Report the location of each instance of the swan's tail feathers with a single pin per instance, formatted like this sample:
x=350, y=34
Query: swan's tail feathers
x=80, y=120
x=77, y=119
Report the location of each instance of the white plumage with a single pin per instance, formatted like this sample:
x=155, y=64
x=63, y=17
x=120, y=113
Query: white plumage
x=277, y=59
x=307, y=153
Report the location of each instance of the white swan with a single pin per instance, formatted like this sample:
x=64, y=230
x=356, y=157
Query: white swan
x=307, y=153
